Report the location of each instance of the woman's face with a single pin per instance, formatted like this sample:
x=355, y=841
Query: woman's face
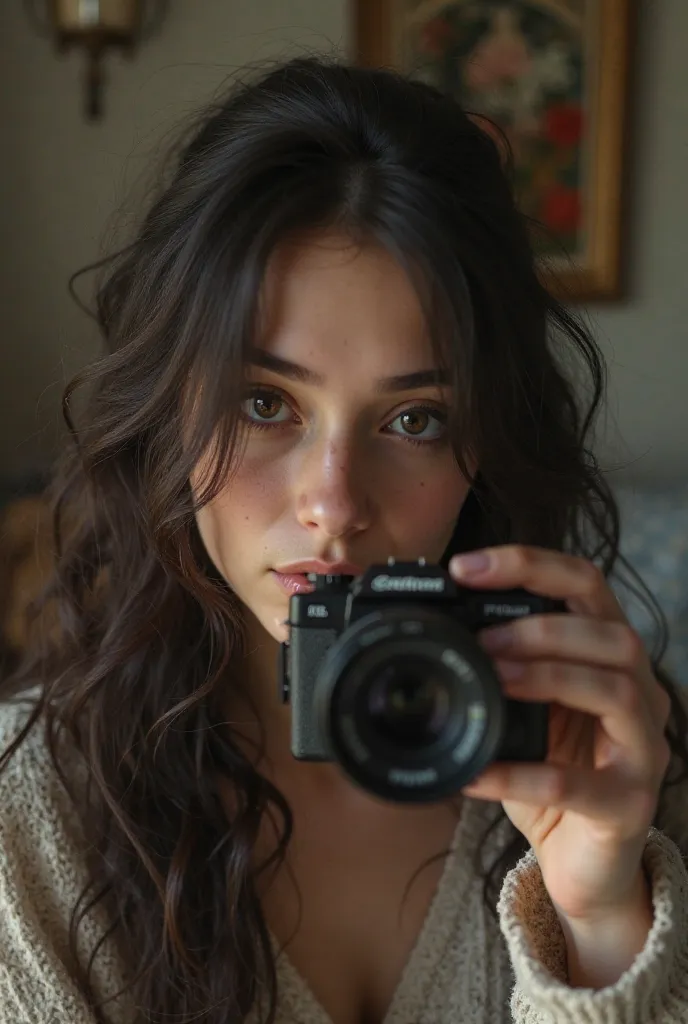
x=346, y=457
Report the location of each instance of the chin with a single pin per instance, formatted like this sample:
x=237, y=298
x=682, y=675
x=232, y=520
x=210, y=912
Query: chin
x=273, y=624
x=279, y=630
x=265, y=621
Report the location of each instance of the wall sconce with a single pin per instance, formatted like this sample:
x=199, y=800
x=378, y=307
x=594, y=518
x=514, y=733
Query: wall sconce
x=96, y=26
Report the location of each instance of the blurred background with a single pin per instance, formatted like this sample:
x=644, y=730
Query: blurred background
x=66, y=184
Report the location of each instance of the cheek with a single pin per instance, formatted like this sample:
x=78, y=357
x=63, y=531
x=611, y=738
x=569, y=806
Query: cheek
x=256, y=489
x=427, y=504
x=234, y=523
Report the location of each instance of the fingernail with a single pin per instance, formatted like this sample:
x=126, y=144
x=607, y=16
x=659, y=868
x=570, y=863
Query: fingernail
x=470, y=565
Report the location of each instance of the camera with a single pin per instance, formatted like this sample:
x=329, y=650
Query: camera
x=385, y=677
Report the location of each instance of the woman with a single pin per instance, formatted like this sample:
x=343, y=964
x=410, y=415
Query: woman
x=327, y=346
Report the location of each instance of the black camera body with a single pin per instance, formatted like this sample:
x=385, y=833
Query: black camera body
x=385, y=677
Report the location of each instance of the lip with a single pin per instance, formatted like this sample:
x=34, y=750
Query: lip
x=293, y=579
x=323, y=568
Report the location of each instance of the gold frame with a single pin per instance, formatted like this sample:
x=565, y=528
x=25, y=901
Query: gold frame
x=602, y=276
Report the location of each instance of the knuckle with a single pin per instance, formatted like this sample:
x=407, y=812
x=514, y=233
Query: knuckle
x=541, y=628
x=631, y=646
x=626, y=692
x=594, y=577
x=520, y=556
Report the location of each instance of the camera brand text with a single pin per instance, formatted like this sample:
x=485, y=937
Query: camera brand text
x=422, y=584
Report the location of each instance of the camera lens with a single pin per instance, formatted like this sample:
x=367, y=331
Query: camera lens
x=408, y=703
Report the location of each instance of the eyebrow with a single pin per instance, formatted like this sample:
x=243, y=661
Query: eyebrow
x=293, y=371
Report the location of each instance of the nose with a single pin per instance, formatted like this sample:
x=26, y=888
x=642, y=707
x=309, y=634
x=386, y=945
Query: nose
x=332, y=491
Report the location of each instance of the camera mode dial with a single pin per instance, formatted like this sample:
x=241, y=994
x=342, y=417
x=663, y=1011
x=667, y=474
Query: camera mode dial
x=326, y=581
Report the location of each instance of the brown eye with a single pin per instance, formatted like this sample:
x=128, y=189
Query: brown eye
x=419, y=424
x=414, y=421
x=265, y=407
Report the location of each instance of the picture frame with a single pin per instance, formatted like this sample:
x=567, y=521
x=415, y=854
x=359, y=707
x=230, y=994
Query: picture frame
x=554, y=76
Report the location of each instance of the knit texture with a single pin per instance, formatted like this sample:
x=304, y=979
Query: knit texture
x=465, y=968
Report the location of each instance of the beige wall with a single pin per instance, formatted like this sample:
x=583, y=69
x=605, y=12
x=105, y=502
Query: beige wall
x=646, y=338
x=60, y=180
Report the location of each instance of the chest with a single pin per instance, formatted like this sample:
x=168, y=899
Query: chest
x=350, y=903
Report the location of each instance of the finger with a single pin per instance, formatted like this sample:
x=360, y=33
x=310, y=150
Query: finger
x=583, y=640
x=614, y=698
x=573, y=579
x=567, y=637
x=603, y=794
x=548, y=573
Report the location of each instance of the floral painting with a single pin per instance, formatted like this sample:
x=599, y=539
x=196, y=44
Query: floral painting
x=524, y=65
x=550, y=76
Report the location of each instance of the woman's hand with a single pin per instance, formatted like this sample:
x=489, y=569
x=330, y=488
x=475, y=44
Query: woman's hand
x=586, y=811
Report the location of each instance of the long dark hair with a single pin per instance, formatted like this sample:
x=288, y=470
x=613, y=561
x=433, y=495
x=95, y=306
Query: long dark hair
x=145, y=634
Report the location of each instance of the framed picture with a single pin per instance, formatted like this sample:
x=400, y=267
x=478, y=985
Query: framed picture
x=553, y=76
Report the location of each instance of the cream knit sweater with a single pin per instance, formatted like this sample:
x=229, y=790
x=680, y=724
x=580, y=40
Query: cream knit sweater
x=465, y=969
